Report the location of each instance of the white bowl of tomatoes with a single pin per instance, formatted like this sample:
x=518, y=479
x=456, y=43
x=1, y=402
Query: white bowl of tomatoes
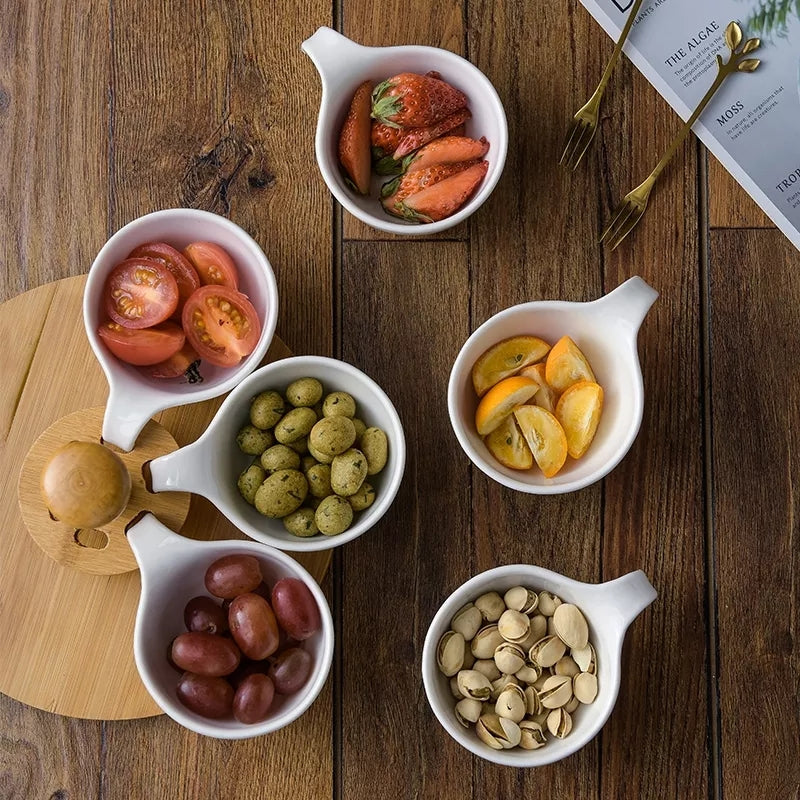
x=180, y=305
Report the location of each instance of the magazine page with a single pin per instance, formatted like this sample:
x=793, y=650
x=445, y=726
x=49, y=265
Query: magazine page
x=752, y=125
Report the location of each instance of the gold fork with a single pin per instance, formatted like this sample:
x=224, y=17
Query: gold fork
x=584, y=123
x=634, y=204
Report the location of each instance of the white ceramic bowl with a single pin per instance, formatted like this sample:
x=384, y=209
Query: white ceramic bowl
x=343, y=65
x=606, y=332
x=133, y=397
x=609, y=609
x=211, y=466
x=172, y=571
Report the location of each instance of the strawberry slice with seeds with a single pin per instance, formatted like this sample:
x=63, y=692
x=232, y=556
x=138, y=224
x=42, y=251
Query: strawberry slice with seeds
x=395, y=192
x=409, y=100
x=385, y=138
x=443, y=198
x=448, y=150
x=417, y=137
x=354, y=139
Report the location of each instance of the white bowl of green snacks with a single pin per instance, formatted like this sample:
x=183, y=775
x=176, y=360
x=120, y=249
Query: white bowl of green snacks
x=522, y=666
x=306, y=454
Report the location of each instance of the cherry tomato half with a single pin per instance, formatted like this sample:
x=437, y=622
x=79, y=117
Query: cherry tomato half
x=213, y=264
x=144, y=346
x=140, y=292
x=176, y=262
x=221, y=324
x=183, y=364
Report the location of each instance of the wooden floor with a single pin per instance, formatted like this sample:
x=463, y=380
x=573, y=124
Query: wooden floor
x=112, y=109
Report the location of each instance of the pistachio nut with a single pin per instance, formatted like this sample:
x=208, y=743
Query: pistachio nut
x=556, y=691
x=474, y=684
x=559, y=723
x=511, y=703
x=518, y=598
x=488, y=668
x=528, y=673
x=469, y=659
x=498, y=732
x=513, y=625
x=551, y=628
x=531, y=735
x=509, y=658
x=501, y=684
x=467, y=621
x=566, y=666
x=486, y=641
x=585, y=658
x=541, y=717
x=548, y=603
x=547, y=651
x=468, y=711
x=537, y=629
x=571, y=626
x=533, y=705
x=585, y=687
x=572, y=705
x=450, y=653
x=454, y=690
x=491, y=606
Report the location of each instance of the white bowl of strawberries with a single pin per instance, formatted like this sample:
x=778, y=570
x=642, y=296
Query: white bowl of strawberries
x=411, y=139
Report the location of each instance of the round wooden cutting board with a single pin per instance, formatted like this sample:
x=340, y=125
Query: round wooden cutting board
x=67, y=636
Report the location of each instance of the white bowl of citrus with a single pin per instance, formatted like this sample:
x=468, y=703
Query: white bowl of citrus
x=547, y=397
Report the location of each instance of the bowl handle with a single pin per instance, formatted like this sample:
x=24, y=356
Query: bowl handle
x=630, y=301
x=626, y=597
x=148, y=538
x=331, y=53
x=184, y=470
x=123, y=420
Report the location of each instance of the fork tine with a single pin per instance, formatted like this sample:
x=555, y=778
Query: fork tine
x=574, y=131
x=582, y=145
x=624, y=210
x=629, y=225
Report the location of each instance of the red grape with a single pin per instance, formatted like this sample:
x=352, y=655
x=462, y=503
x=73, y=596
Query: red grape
x=207, y=696
x=230, y=576
x=205, y=654
x=290, y=670
x=296, y=608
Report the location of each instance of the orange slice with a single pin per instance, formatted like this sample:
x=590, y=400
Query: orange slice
x=507, y=444
x=505, y=359
x=546, y=397
x=579, y=411
x=545, y=437
x=566, y=365
x=501, y=400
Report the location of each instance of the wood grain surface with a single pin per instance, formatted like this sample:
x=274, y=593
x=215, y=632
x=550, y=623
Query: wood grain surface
x=111, y=110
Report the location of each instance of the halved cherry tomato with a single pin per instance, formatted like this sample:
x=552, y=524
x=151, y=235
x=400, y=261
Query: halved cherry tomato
x=183, y=364
x=140, y=292
x=144, y=346
x=213, y=264
x=221, y=324
x=176, y=262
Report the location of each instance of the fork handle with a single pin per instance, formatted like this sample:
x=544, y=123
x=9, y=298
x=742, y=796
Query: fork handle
x=618, y=47
x=722, y=73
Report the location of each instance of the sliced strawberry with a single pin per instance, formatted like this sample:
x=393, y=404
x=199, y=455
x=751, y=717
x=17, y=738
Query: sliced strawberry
x=354, y=152
x=395, y=192
x=415, y=101
x=417, y=137
x=448, y=150
x=459, y=130
x=445, y=197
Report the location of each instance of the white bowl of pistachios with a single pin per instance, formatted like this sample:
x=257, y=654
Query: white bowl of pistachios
x=521, y=665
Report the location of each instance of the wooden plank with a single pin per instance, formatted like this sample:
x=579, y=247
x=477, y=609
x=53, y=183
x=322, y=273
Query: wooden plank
x=729, y=205
x=756, y=460
x=404, y=316
x=53, y=140
x=540, y=241
x=237, y=138
x=365, y=22
x=53, y=143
